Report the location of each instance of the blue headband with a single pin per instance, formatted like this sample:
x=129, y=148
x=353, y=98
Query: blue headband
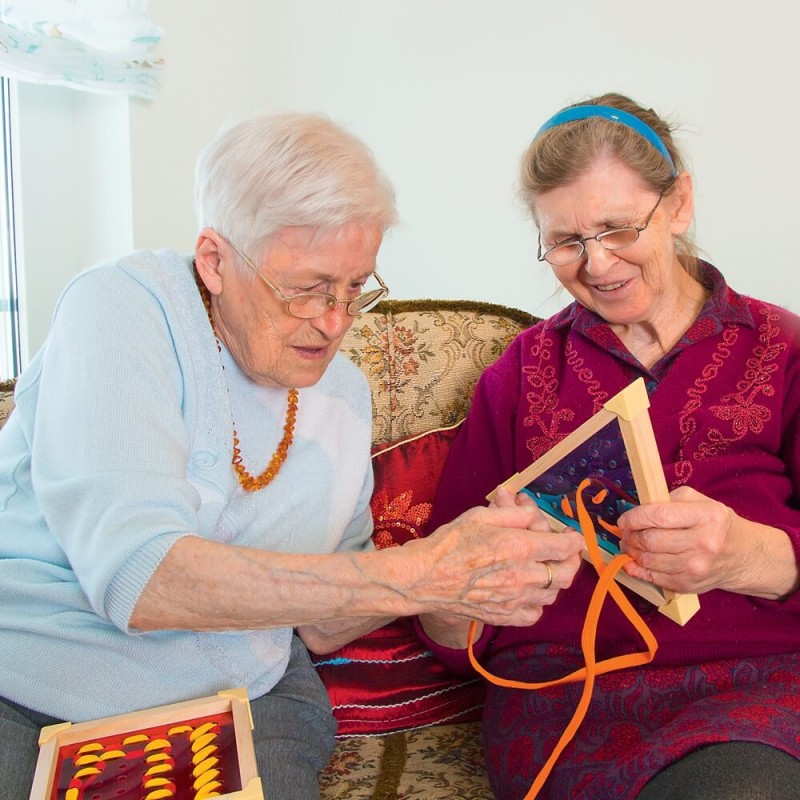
x=615, y=115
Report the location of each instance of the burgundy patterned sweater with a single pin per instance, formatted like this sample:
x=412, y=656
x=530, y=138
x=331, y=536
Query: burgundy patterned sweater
x=725, y=406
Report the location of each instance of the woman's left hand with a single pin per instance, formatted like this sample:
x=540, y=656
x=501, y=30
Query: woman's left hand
x=694, y=544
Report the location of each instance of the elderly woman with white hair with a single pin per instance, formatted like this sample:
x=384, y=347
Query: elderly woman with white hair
x=185, y=479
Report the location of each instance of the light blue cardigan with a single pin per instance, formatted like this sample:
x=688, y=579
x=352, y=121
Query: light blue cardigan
x=119, y=445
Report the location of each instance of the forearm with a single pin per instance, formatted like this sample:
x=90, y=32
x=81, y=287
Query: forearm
x=202, y=585
x=485, y=565
x=769, y=567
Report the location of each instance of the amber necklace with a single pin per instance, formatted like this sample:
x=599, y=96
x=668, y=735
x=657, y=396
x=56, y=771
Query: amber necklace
x=252, y=483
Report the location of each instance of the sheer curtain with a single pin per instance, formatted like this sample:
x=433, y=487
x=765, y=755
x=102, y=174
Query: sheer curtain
x=95, y=45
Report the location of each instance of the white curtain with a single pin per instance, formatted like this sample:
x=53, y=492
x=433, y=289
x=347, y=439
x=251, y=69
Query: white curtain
x=95, y=45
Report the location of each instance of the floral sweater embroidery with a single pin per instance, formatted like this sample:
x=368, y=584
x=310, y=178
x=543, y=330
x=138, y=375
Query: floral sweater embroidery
x=741, y=408
x=687, y=421
x=545, y=414
x=549, y=417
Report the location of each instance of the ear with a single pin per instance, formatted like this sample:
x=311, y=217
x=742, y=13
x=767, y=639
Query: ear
x=682, y=197
x=210, y=257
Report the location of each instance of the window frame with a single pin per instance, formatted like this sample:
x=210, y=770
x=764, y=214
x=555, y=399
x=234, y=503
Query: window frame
x=10, y=324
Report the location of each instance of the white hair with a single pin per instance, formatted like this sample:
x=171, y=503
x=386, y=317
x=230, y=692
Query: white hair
x=289, y=169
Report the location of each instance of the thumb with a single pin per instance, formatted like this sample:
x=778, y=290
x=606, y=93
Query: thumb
x=503, y=498
x=510, y=516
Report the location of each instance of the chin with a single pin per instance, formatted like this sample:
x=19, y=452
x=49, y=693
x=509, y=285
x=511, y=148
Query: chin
x=296, y=372
x=304, y=383
x=303, y=378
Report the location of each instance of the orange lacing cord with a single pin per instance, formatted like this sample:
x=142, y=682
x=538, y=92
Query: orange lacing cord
x=605, y=585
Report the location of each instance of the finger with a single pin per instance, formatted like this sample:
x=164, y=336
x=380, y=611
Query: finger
x=683, y=572
x=565, y=571
x=635, y=570
x=677, y=580
x=506, y=516
x=663, y=563
x=522, y=617
x=527, y=516
x=539, y=521
x=685, y=494
x=503, y=498
x=649, y=515
x=575, y=540
x=556, y=547
x=504, y=552
x=550, y=575
x=668, y=516
x=673, y=541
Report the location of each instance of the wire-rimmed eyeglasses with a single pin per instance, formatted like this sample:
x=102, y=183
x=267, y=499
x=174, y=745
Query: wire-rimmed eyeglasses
x=310, y=305
x=563, y=253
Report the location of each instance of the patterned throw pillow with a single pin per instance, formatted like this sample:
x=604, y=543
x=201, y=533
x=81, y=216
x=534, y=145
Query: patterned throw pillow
x=387, y=681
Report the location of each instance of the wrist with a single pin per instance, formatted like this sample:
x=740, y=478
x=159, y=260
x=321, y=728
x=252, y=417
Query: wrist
x=448, y=631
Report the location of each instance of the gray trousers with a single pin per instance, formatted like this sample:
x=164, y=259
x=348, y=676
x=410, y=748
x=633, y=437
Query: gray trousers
x=293, y=736
x=728, y=771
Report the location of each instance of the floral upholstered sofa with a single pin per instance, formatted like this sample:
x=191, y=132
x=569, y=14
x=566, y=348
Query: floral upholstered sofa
x=408, y=728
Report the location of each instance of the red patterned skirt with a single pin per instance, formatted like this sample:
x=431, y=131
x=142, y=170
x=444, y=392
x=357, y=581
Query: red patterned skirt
x=639, y=721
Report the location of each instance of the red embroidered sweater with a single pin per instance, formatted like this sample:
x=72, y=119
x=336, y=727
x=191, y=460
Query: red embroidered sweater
x=725, y=406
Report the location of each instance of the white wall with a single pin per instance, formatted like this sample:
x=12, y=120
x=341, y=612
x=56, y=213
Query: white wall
x=448, y=93
x=74, y=182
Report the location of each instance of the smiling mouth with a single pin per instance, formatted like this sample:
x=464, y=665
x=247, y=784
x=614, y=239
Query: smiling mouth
x=610, y=287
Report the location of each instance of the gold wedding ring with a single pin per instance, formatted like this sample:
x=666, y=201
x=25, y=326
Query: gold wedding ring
x=549, y=575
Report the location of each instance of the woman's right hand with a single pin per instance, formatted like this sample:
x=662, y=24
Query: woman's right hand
x=491, y=565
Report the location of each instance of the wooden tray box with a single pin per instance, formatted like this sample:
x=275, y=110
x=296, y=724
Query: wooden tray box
x=193, y=750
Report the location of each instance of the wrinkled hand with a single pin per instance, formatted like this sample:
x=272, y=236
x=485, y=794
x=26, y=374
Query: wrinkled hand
x=690, y=544
x=488, y=564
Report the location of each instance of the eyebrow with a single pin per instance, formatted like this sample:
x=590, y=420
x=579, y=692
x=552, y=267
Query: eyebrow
x=321, y=277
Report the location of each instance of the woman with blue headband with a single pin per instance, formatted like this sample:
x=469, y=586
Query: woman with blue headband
x=716, y=712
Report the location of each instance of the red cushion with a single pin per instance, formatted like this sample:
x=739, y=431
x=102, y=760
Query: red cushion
x=387, y=681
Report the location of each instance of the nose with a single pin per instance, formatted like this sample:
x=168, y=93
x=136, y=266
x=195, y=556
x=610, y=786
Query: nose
x=598, y=258
x=334, y=322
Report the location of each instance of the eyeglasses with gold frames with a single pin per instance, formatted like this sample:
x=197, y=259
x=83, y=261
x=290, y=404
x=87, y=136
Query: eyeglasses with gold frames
x=310, y=305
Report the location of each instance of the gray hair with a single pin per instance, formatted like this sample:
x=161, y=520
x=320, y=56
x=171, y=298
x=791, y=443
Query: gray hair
x=289, y=169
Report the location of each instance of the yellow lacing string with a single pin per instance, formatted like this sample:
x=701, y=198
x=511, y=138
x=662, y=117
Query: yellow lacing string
x=605, y=585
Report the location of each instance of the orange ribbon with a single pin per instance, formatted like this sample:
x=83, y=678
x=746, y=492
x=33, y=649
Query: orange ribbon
x=605, y=586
